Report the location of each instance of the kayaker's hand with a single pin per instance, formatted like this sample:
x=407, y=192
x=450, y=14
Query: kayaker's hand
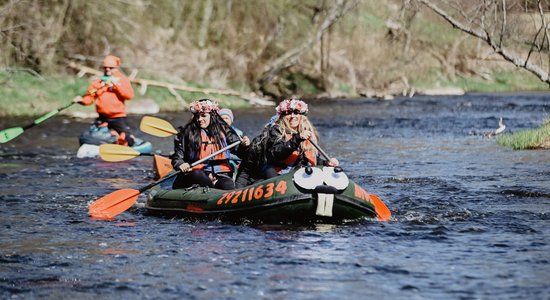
x=245, y=141
x=113, y=81
x=185, y=167
x=333, y=162
x=78, y=99
x=305, y=135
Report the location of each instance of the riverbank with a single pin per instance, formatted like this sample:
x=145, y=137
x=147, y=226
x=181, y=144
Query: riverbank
x=24, y=93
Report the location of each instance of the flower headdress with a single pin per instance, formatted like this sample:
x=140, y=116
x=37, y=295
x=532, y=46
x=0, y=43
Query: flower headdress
x=204, y=105
x=291, y=105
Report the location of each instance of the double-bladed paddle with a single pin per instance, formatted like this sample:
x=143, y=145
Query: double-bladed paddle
x=381, y=209
x=114, y=152
x=119, y=201
x=9, y=134
x=157, y=127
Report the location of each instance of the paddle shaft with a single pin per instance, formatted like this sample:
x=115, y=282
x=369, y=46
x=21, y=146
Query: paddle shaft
x=320, y=150
x=54, y=112
x=47, y=116
x=141, y=190
x=9, y=134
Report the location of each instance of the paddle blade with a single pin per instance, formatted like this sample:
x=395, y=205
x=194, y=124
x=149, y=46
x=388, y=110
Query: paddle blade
x=157, y=127
x=113, y=152
x=381, y=209
x=9, y=134
x=113, y=204
x=162, y=166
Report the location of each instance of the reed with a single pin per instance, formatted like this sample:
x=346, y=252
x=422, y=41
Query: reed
x=527, y=139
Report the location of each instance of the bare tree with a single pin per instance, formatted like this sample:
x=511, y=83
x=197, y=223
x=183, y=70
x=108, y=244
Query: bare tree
x=288, y=58
x=496, y=22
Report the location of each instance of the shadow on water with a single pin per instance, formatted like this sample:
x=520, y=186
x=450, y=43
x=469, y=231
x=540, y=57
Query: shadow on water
x=470, y=219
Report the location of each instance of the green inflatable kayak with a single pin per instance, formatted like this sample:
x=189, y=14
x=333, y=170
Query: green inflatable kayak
x=306, y=194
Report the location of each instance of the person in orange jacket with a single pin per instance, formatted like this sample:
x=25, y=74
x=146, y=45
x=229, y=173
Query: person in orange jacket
x=110, y=92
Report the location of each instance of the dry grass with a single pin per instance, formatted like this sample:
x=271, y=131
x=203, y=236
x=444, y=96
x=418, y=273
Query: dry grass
x=171, y=40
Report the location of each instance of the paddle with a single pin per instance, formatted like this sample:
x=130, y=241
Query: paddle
x=9, y=134
x=119, y=201
x=157, y=127
x=381, y=209
x=114, y=152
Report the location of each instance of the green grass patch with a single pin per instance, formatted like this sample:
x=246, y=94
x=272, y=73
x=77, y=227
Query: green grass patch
x=345, y=88
x=435, y=33
x=26, y=94
x=304, y=84
x=511, y=81
x=373, y=22
x=526, y=139
x=517, y=80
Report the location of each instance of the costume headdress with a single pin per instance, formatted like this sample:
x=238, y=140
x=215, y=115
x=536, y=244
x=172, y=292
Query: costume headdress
x=292, y=105
x=204, y=105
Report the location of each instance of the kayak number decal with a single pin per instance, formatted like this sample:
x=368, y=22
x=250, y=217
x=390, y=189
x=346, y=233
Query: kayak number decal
x=254, y=193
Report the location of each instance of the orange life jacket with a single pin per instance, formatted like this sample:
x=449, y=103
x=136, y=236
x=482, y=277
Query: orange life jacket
x=311, y=156
x=110, y=100
x=219, y=163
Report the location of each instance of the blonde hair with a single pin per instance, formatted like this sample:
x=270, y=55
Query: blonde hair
x=305, y=124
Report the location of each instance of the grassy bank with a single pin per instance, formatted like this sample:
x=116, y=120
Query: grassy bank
x=24, y=93
x=528, y=139
x=497, y=82
x=274, y=47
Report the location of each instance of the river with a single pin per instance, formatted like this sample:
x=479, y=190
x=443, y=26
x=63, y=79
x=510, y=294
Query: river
x=470, y=218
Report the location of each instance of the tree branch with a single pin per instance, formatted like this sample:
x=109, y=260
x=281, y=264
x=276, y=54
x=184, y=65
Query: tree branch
x=290, y=57
x=506, y=54
x=172, y=87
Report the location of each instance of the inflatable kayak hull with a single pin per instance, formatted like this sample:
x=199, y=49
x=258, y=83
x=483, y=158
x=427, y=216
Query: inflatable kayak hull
x=95, y=136
x=302, y=195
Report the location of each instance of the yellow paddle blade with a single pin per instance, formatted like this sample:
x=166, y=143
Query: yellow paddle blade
x=157, y=127
x=113, y=152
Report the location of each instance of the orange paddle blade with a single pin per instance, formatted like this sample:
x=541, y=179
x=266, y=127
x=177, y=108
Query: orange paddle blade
x=157, y=127
x=113, y=152
x=162, y=166
x=113, y=204
x=381, y=209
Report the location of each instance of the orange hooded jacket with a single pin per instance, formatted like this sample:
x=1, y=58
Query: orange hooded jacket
x=110, y=99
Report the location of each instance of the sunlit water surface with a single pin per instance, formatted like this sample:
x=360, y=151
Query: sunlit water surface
x=470, y=219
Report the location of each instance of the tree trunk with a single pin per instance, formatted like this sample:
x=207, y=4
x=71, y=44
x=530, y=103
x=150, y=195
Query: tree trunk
x=290, y=57
x=203, y=31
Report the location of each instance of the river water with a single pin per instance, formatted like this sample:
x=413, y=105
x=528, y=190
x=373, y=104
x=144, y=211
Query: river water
x=470, y=219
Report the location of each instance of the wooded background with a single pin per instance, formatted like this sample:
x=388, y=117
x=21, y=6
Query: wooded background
x=283, y=47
